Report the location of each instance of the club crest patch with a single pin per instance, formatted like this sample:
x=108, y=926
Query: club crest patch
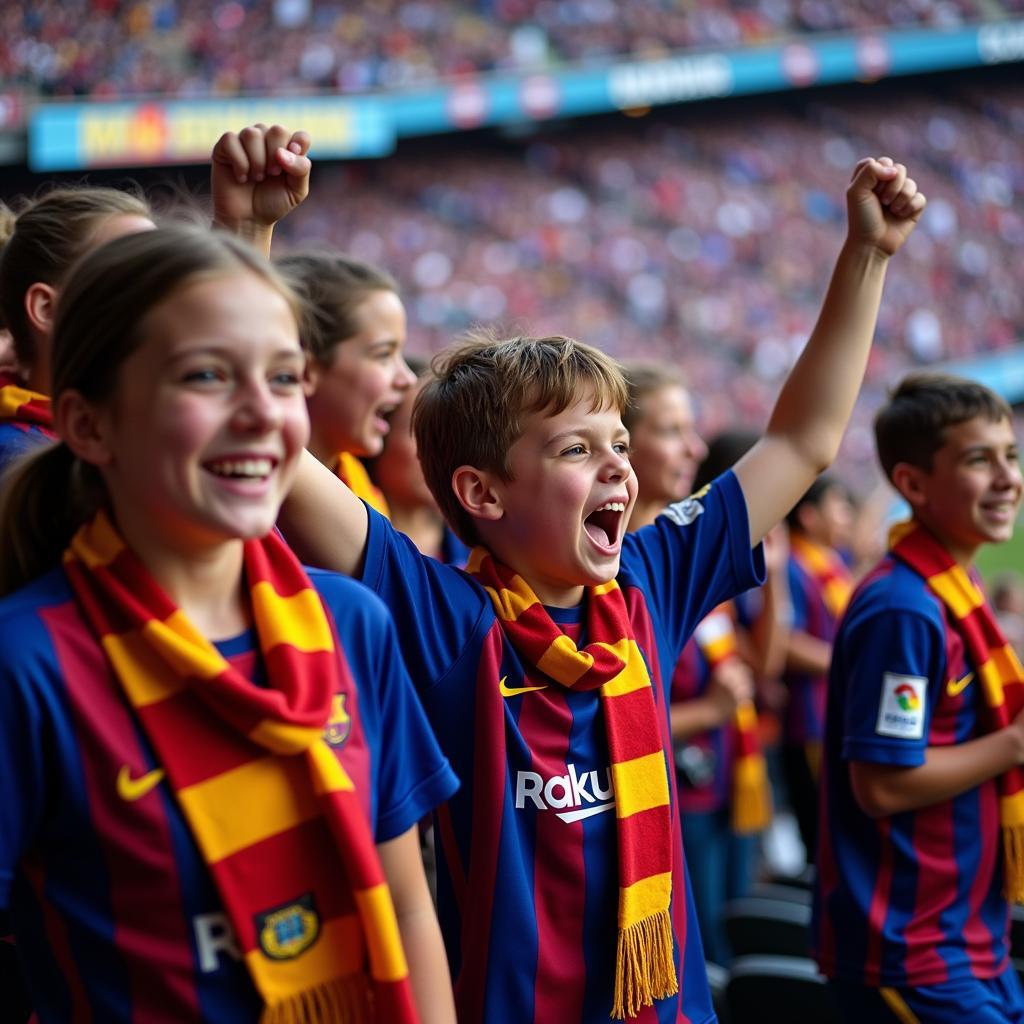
x=339, y=724
x=902, y=707
x=686, y=511
x=286, y=931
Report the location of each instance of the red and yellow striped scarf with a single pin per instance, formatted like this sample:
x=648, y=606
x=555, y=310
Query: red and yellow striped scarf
x=273, y=812
x=611, y=661
x=996, y=665
x=751, y=806
x=826, y=568
x=351, y=472
x=19, y=405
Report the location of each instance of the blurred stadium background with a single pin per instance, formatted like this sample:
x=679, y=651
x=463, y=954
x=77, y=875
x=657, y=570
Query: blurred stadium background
x=658, y=177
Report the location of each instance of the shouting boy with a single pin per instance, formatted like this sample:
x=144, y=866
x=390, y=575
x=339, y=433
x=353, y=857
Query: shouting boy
x=544, y=669
x=923, y=741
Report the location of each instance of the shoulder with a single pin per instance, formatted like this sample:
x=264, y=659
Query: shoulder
x=26, y=637
x=22, y=608
x=892, y=595
x=349, y=601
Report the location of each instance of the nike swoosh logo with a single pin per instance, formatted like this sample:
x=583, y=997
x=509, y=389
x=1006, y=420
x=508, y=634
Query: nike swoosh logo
x=957, y=686
x=585, y=812
x=513, y=691
x=135, y=789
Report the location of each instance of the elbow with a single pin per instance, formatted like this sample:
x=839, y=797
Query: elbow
x=873, y=797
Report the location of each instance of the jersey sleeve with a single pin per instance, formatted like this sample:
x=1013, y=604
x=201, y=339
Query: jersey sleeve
x=436, y=608
x=893, y=668
x=22, y=766
x=413, y=776
x=694, y=556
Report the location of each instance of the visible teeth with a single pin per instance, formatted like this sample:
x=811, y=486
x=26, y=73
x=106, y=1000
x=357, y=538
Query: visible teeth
x=612, y=506
x=242, y=467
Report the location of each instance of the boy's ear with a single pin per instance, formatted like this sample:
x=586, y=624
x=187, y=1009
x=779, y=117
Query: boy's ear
x=909, y=480
x=84, y=427
x=476, y=493
x=40, y=306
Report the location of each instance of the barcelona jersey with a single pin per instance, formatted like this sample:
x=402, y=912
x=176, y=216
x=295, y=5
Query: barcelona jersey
x=115, y=912
x=527, y=862
x=913, y=899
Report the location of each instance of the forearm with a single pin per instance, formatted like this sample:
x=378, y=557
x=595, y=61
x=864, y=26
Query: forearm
x=259, y=236
x=883, y=790
x=817, y=398
x=689, y=717
x=806, y=653
x=428, y=967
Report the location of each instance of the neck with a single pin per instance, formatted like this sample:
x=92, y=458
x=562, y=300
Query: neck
x=322, y=451
x=422, y=524
x=644, y=513
x=205, y=580
x=962, y=554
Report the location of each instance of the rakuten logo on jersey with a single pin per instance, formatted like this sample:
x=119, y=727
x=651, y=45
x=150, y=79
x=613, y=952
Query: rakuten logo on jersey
x=584, y=793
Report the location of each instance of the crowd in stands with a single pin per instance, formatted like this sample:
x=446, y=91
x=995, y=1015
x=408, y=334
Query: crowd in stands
x=107, y=48
x=704, y=242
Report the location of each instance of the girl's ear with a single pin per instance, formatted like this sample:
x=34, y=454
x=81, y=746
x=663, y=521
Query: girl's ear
x=41, y=306
x=476, y=493
x=84, y=427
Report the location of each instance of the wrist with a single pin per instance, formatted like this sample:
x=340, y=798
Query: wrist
x=865, y=252
x=257, y=235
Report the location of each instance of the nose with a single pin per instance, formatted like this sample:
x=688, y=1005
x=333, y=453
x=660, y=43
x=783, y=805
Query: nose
x=257, y=409
x=616, y=466
x=1008, y=473
x=695, y=446
x=404, y=377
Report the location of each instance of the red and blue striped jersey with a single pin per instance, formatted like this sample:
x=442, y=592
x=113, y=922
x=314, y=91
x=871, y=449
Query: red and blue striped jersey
x=804, y=719
x=115, y=913
x=915, y=898
x=17, y=439
x=529, y=910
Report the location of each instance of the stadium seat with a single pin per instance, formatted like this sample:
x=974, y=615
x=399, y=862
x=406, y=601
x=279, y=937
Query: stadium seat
x=785, y=893
x=804, y=880
x=778, y=988
x=718, y=981
x=761, y=925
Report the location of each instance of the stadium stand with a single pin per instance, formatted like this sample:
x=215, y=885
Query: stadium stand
x=106, y=48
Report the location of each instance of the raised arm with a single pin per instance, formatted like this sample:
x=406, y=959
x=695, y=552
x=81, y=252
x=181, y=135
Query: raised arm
x=258, y=176
x=816, y=400
x=323, y=521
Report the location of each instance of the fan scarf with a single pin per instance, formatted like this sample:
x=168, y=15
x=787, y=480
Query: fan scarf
x=351, y=472
x=827, y=570
x=611, y=661
x=996, y=665
x=751, y=809
x=28, y=408
x=270, y=806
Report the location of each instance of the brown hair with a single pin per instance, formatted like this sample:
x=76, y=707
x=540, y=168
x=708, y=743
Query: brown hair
x=49, y=235
x=470, y=411
x=644, y=379
x=332, y=288
x=100, y=323
x=911, y=426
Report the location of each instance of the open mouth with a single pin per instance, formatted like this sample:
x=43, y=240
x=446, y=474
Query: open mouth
x=602, y=525
x=256, y=468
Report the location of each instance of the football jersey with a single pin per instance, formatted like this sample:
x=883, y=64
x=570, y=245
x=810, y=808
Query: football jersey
x=115, y=913
x=529, y=910
x=17, y=439
x=914, y=898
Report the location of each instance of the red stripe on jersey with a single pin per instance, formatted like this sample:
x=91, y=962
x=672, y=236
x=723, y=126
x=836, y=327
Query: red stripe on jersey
x=559, y=873
x=879, y=904
x=490, y=771
x=978, y=938
x=935, y=891
x=145, y=895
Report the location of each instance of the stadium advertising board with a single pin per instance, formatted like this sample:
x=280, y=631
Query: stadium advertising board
x=67, y=136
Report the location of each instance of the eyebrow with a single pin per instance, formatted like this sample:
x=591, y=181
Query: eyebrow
x=587, y=432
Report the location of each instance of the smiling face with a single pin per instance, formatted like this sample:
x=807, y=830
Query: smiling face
x=363, y=380
x=564, y=512
x=201, y=439
x=666, y=448
x=972, y=493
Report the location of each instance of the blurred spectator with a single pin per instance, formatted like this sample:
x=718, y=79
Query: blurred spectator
x=110, y=48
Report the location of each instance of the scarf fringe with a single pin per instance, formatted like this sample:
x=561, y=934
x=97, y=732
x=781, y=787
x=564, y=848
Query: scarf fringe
x=644, y=969
x=338, y=1001
x=1013, y=862
x=751, y=795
